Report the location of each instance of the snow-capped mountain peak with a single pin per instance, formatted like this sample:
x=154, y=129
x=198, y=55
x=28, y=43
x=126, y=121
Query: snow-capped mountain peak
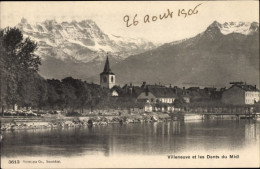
x=235, y=27
x=81, y=41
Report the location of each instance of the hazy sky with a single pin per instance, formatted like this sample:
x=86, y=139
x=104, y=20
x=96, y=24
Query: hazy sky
x=109, y=16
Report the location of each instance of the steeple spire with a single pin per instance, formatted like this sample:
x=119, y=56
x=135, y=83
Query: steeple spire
x=107, y=67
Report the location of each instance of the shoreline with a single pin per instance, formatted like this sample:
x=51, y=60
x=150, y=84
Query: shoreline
x=60, y=121
x=9, y=123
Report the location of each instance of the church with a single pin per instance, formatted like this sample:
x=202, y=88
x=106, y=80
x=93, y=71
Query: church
x=107, y=77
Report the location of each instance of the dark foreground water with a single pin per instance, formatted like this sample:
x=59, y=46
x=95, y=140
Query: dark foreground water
x=132, y=139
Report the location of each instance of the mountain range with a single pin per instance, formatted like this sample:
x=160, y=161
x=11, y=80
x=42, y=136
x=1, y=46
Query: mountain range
x=78, y=48
x=220, y=54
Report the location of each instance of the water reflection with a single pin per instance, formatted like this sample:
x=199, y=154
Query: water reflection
x=252, y=133
x=144, y=139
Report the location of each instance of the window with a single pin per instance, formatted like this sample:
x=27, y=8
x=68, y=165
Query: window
x=112, y=79
x=104, y=79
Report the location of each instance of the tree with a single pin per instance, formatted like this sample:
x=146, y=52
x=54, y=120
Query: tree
x=18, y=52
x=83, y=95
x=76, y=92
x=18, y=60
x=55, y=94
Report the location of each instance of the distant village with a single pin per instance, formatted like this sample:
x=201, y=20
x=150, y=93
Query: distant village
x=157, y=97
x=24, y=92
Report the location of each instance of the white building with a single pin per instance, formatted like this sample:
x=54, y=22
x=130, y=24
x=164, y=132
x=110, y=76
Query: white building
x=240, y=93
x=158, y=95
x=114, y=93
x=251, y=97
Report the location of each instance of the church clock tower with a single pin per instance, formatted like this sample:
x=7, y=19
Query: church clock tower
x=107, y=77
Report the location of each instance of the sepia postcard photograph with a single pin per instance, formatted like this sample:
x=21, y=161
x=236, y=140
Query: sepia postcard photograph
x=129, y=84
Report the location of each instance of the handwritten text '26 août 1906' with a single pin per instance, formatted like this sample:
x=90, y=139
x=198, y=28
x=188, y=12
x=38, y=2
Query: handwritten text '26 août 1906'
x=134, y=21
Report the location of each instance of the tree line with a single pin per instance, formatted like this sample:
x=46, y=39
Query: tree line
x=22, y=85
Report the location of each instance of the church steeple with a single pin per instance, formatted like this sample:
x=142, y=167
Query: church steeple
x=107, y=67
x=107, y=77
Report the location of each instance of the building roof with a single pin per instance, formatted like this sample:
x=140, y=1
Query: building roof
x=137, y=90
x=117, y=89
x=163, y=92
x=107, y=70
x=210, y=88
x=246, y=87
x=193, y=88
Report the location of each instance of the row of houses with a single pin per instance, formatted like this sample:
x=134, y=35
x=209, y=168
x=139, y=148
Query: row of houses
x=239, y=93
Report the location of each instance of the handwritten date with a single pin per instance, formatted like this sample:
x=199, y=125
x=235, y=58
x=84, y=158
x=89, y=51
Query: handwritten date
x=134, y=21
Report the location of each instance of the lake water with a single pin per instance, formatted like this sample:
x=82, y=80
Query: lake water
x=130, y=140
